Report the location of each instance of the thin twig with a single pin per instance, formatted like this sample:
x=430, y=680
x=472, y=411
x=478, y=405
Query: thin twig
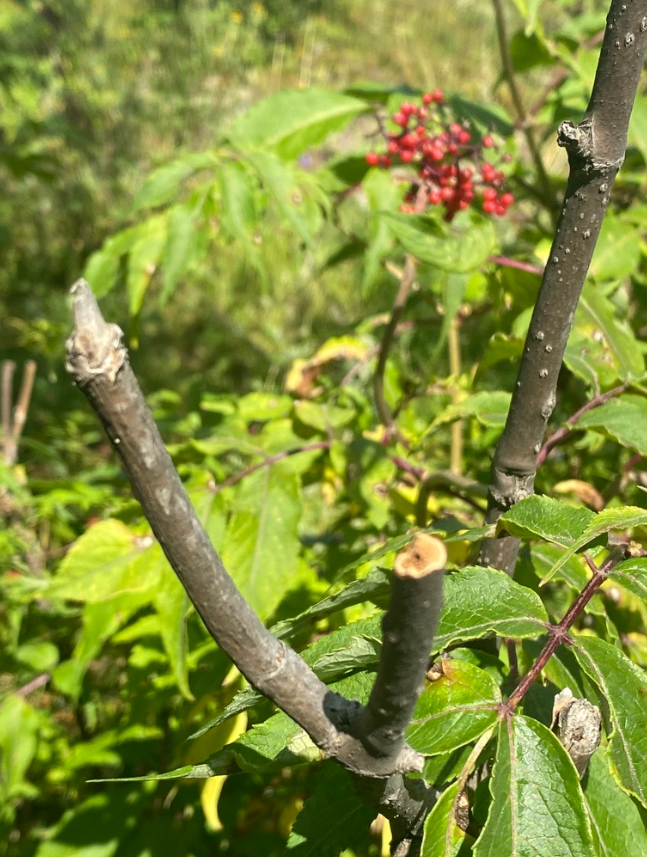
x=32, y=685
x=527, y=130
x=506, y=262
x=388, y=336
x=8, y=369
x=24, y=397
x=558, y=634
x=454, y=348
x=450, y=483
x=13, y=423
x=559, y=77
x=560, y=435
x=269, y=461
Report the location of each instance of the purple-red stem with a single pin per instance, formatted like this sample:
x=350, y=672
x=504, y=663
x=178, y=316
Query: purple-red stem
x=558, y=634
x=269, y=461
x=401, y=463
x=507, y=262
x=34, y=684
x=563, y=432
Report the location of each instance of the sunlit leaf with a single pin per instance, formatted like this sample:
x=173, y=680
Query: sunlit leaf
x=290, y=122
x=537, y=804
x=624, y=687
x=539, y=517
x=456, y=250
x=455, y=709
x=333, y=817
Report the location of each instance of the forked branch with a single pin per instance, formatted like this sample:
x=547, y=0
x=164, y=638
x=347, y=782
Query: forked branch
x=342, y=728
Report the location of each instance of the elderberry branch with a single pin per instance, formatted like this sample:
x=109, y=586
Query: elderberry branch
x=558, y=634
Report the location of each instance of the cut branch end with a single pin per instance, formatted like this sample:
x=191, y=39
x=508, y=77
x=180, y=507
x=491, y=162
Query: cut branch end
x=423, y=556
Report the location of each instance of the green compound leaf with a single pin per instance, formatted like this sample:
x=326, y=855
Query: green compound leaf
x=102, y=563
x=618, y=518
x=456, y=251
x=624, y=419
x=544, y=518
x=332, y=819
x=376, y=585
x=280, y=182
x=618, y=829
x=632, y=574
x=442, y=836
x=624, y=686
x=293, y=121
x=179, y=248
x=453, y=710
x=163, y=185
x=482, y=601
x=101, y=272
x=537, y=806
x=490, y=409
x=144, y=258
x=599, y=312
x=261, y=546
x=617, y=253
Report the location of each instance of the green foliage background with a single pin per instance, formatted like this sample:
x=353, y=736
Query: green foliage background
x=203, y=164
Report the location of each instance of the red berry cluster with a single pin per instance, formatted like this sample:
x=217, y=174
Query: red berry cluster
x=450, y=166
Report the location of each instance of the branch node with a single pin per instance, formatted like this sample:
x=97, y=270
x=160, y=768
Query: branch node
x=95, y=347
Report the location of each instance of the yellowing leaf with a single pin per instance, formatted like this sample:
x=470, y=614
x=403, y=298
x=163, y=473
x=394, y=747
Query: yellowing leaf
x=212, y=788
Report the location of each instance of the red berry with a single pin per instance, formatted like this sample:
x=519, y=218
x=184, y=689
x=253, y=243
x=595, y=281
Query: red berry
x=464, y=137
x=373, y=159
x=409, y=141
x=400, y=119
x=393, y=147
x=489, y=193
x=407, y=108
x=447, y=194
x=437, y=95
x=488, y=142
x=434, y=197
x=488, y=172
x=385, y=161
x=489, y=206
x=406, y=156
x=427, y=98
x=506, y=199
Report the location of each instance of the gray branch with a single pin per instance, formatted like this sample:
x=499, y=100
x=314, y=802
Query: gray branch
x=596, y=149
x=98, y=363
x=409, y=627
